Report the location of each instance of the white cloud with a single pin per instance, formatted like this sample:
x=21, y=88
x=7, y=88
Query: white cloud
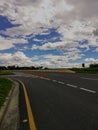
x=37, y=40
x=59, y=60
x=60, y=46
x=18, y=58
x=53, y=61
x=85, y=8
x=91, y=60
x=66, y=15
x=77, y=30
x=74, y=20
x=7, y=43
x=96, y=50
x=33, y=15
x=85, y=46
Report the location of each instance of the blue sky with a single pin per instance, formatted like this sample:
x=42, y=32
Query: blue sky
x=50, y=33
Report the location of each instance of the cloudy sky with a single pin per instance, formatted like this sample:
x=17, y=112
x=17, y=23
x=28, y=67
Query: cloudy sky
x=51, y=33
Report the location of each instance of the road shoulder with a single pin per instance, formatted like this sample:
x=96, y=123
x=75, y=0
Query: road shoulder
x=10, y=110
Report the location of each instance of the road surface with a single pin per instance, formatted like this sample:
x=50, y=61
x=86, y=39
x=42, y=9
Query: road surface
x=60, y=101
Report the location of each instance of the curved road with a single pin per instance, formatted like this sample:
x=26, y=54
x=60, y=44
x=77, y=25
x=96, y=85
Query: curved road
x=61, y=101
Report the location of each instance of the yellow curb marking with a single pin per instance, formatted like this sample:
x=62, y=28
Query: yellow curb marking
x=30, y=115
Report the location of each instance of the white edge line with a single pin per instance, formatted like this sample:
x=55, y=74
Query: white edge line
x=88, y=90
x=72, y=85
x=61, y=82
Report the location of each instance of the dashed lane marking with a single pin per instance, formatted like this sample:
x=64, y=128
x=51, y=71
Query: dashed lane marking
x=72, y=85
x=88, y=78
x=30, y=115
x=54, y=80
x=44, y=78
x=47, y=79
x=61, y=82
x=88, y=90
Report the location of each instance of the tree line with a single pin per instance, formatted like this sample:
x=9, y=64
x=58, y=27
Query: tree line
x=20, y=68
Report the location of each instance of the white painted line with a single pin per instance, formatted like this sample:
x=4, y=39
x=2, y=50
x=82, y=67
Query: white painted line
x=42, y=78
x=47, y=79
x=61, y=82
x=88, y=78
x=54, y=80
x=72, y=85
x=88, y=90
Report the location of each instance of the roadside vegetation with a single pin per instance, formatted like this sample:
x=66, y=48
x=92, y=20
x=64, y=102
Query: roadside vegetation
x=5, y=87
x=8, y=70
x=5, y=72
x=85, y=70
x=92, y=69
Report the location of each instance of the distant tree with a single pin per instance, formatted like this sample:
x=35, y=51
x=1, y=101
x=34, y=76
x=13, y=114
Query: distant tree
x=41, y=67
x=46, y=68
x=83, y=65
x=33, y=67
x=93, y=65
x=3, y=68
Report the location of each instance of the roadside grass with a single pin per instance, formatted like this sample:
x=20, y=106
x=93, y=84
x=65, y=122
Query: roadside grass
x=5, y=72
x=86, y=70
x=48, y=70
x=5, y=87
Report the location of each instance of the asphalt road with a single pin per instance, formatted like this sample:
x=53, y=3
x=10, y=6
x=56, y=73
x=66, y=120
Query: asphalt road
x=61, y=101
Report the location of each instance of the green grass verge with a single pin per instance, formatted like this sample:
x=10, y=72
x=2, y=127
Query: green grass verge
x=5, y=87
x=3, y=72
x=86, y=70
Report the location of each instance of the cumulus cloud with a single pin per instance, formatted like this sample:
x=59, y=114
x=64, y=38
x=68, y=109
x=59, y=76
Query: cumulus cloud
x=60, y=46
x=58, y=61
x=69, y=52
x=96, y=32
x=33, y=14
x=75, y=20
x=18, y=58
x=86, y=8
x=96, y=50
x=7, y=43
x=91, y=60
x=67, y=15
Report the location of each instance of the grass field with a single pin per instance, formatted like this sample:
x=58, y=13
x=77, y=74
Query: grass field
x=86, y=70
x=48, y=70
x=5, y=72
x=5, y=87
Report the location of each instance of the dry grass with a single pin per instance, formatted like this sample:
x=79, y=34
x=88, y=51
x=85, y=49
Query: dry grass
x=48, y=70
x=55, y=70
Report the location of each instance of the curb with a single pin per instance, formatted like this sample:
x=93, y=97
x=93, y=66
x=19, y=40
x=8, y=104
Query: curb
x=9, y=113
